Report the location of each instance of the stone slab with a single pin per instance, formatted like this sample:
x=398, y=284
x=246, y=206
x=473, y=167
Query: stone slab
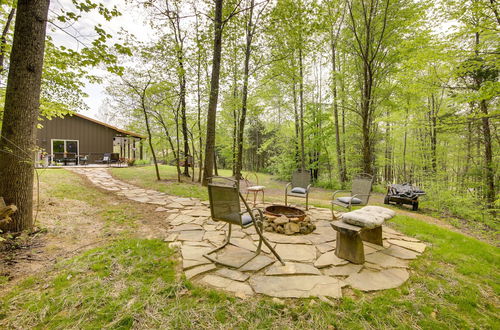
x=417, y=247
x=296, y=252
x=191, y=235
x=239, y=288
x=193, y=252
x=189, y=263
x=232, y=274
x=386, y=261
x=369, y=280
x=292, y=268
x=399, y=252
x=325, y=247
x=278, y=238
x=301, y=286
x=344, y=270
x=329, y=259
x=190, y=273
x=256, y=264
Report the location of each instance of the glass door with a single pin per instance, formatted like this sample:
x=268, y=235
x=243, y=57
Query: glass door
x=64, y=151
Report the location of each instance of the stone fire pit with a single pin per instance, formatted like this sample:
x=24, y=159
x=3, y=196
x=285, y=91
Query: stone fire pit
x=287, y=220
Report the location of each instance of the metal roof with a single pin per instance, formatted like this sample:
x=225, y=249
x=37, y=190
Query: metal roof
x=109, y=126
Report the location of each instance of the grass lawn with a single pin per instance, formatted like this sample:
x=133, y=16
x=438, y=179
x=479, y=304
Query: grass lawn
x=275, y=190
x=132, y=282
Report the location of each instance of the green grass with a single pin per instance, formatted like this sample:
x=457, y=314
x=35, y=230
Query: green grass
x=135, y=283
x=145, y=177
x=61, y=184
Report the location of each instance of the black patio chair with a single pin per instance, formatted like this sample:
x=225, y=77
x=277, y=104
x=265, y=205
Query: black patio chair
x=301, y=183
x=225, y=197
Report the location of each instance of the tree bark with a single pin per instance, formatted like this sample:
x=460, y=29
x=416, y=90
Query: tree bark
x=3, y=39
x=150, y=136
x=301, y=107
x=244, y=96
x=341, y=167
x=22, y=106
x=214, y=94
x=488, y=155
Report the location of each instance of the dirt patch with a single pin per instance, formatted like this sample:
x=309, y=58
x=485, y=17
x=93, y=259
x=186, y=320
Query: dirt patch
x=64, y=227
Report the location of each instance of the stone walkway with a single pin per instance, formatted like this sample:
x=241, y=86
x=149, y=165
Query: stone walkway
x=311, y=267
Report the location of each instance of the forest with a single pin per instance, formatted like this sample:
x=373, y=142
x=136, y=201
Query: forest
x=405, y=90
x=345, y=96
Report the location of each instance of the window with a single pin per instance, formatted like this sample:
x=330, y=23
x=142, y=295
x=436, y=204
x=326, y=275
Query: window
x=64, y=148
x=57, y=146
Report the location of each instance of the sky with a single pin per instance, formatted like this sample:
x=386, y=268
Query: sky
x=132, y=20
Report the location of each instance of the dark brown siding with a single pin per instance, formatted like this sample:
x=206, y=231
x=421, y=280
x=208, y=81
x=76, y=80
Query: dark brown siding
x=94, y=139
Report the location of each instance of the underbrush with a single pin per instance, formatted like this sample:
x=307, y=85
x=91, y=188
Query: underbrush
x=450, y=204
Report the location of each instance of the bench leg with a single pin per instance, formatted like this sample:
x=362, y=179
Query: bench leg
x=372, y=235
x=350, y=247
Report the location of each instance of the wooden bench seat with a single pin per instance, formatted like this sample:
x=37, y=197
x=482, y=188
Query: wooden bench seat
x=350, y=240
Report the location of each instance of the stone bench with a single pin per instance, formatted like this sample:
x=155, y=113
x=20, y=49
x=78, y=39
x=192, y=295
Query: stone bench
x=357, y=226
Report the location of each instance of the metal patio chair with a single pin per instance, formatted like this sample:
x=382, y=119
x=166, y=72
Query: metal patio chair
x=224, y=197
x=360, y=192
x=300, y=185
x=255, y=189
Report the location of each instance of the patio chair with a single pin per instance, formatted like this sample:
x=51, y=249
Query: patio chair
x=255, y=189
x=301, y=182
x=360, y=192
x=106, y=157
x=224, y=197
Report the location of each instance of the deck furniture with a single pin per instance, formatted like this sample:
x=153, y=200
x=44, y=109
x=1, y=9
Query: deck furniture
x=225, y=206
x=359, y=195
x=357, y=226
x=255, y=189
x=299, y=187
x=83, y=160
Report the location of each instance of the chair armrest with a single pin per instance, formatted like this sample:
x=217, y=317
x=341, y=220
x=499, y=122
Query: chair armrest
x=307, y=189
x=336, y=192
x=356, y=196
x=286, y=187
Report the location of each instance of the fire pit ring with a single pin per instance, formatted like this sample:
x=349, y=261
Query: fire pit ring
x=288, y=211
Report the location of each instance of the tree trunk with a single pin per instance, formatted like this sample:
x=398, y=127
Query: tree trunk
x=341, y=168
x=150, y=136
x=301, y=105
x=297, y=125
x=214, y=94
x=185, y=135
x=488, y=156
x=169, y=139
x=244, y=96
x=3, y=39
x=22, y=105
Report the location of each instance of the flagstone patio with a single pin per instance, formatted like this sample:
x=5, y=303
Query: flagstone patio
x=311, y=267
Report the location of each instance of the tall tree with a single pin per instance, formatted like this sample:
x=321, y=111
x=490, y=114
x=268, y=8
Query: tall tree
x=22, y=105
x=214, y=94
x=250, y=27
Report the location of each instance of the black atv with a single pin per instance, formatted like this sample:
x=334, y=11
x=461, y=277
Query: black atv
x=403, y=194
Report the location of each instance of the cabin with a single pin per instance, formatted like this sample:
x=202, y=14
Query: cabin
x=76, y=139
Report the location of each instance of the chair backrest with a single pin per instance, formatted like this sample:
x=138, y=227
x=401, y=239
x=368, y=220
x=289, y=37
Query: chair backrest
x=251, y=175
x=362, y=184
x=301, y=179
x=225, y=202
x=115, y=157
